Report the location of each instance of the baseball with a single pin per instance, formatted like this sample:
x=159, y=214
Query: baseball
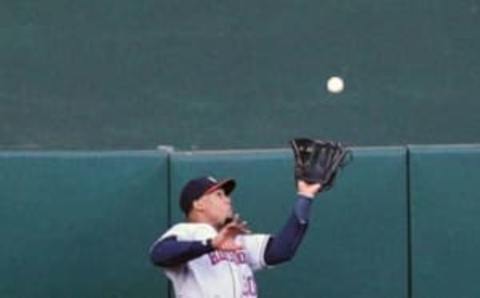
x=335, y=84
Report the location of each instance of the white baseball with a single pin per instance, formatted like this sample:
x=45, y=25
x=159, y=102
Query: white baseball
x=335, y=84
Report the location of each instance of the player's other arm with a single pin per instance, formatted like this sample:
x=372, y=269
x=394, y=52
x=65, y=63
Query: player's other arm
x=170, y=252
x=283, y=246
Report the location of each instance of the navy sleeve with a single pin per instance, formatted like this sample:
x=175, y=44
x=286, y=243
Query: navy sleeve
x=283, y=246
x=170, y=252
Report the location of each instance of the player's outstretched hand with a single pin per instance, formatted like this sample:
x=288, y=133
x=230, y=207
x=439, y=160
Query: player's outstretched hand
x=308, y=190
x=225, y=239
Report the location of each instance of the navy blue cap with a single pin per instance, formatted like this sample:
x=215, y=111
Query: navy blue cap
x=198, y=187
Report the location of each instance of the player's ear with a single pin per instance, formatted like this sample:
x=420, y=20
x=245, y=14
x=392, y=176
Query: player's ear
x=198, y=204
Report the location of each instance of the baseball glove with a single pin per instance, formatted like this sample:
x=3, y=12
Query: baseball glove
x=319, y=161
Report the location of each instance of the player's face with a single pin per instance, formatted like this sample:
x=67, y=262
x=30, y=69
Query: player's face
x=217, y=207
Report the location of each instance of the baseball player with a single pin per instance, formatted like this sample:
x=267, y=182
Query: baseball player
x=213, y=254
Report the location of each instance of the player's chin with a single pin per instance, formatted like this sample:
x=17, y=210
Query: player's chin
x=228, y=216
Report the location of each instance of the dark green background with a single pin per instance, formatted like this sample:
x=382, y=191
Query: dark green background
x=105, y=74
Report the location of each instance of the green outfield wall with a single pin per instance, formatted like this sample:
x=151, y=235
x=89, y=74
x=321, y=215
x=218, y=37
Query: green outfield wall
x=78, y=224
x=400, y=221
x=445, y=223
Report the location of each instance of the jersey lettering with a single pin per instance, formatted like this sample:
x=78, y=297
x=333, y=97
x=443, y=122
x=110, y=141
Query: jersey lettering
x=233, y=257
x=249, y=288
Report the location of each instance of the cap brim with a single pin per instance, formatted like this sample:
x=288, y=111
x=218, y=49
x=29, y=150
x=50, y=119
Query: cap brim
x=227, y=185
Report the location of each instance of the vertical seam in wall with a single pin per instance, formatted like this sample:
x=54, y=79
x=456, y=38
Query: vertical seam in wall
x=169, y=207
x=169, y=190
x=409, y=225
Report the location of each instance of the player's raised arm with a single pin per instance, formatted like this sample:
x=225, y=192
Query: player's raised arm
x=316, y=166
x=282, y=246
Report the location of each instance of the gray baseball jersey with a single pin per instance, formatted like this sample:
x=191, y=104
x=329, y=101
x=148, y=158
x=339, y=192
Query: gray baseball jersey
x=218, y=274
